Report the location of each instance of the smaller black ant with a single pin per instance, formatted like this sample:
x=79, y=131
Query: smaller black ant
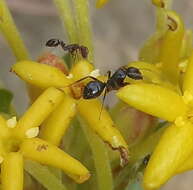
x=71, y=48
x=146, y=160
x=94, y=89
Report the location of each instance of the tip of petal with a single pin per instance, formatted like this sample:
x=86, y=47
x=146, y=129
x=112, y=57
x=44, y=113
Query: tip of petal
x=82, y=178
x=101, y=3
x=150, y=186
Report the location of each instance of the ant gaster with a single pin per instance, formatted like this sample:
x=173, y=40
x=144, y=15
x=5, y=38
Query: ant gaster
x=71, y=48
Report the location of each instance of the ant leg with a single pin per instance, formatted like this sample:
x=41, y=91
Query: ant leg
x=63, y=45
x=82, y=80
x=86, y=78
x=108, y=74
x=103, y=101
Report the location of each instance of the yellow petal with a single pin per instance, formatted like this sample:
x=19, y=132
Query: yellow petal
x=3, y=128
x=39, y=110
x=186, y=165
x=12, y=172
x=104, y=127
x=101, y=3
x=159, y=3
x=46, y=153
x=153, y=99
x=40, y=75
x=171, y=47
x=56, y=125
x=151, y=73
x=188, y=77
x=173, y=149
x=187, y=44
x=81, y=69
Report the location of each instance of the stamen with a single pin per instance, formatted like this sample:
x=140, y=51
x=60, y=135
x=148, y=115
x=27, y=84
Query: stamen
x=12, y=122
x=33, y=132
x=70, y=76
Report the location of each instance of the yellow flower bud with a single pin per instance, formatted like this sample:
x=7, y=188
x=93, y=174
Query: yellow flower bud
x=40, y=75
x=153, y=99
x=104, y=126
x=12, y=172
x=46, y=153
x=56, y=125
x=39, y=111
x=173, y=149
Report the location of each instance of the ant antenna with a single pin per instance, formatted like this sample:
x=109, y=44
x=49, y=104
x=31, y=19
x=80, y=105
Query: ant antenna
x=105, y=93
x=81, y=80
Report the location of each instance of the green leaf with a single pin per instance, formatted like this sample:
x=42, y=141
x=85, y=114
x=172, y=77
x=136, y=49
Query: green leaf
x=5, y=100
x=44, y=176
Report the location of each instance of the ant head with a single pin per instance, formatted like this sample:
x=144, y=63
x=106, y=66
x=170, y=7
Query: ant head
x=134, y=73
x=53, y=43
x=93, y=89
x=84, y=51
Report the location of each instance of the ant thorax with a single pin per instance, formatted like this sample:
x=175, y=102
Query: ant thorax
x=116, y=81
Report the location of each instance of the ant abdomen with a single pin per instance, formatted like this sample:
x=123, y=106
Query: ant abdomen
x=93, y=89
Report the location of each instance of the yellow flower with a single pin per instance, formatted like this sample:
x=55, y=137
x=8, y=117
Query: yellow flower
x=45, y=76
x=17, y=143
x=162, y=97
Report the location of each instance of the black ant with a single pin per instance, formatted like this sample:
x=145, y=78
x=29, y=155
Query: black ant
x=94, y=89
x=71, y=48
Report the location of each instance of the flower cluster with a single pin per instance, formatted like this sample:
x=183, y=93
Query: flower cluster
x=167, y=95
x=166, y=92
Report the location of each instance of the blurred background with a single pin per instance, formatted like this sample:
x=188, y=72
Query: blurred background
x=119, y=30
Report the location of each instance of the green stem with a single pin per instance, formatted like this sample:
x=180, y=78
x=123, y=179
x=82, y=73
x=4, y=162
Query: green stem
x=43, y=175
x=66, y=15
x=84, y=26
x=101, y=159
x=138, y=152
x=10, y=32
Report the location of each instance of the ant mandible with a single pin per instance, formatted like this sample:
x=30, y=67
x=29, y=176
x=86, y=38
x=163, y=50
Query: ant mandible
x=71, y=48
